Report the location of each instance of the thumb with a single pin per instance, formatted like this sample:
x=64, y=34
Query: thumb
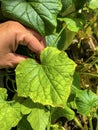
x=11, y=60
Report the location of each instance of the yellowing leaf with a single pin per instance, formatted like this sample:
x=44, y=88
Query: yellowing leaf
x=48, y=83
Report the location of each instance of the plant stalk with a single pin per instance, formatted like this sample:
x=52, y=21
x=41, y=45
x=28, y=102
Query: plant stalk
x=78, y=123
x=90, y=123
x=48, y=127
x=55, y=40
x=97, y=125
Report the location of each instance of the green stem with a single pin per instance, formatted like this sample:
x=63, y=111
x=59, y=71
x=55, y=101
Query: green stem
x=49, y=123
x=97, y=91
x=87, y=73
x=97, y=125
x=48, y=127
x=11, y=102
x=90, y=123
x=78, y=123
x=6, y=82
x=56, y=39
x=85, y=126
x=13, y=85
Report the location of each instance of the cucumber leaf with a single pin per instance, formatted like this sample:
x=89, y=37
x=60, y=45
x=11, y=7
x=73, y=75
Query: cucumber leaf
x=72, y=24
x=49, y=82
x=86, y=102
x=37, y=14
x=9, y=112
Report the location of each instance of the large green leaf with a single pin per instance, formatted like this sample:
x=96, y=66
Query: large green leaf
x=38, y=115
x=50, y=81
x=86, y=102
x=9, y=112
x=38, y=14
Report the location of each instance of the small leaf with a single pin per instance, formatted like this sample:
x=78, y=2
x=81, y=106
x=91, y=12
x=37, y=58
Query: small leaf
x=69, y=36
x=72, y=24
x=48, y=83
x=86, y=102
x=62, y=112
x=38, y=119
x=9, y=112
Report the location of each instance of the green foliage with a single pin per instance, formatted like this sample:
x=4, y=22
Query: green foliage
x=10, y=112
x=49, y=87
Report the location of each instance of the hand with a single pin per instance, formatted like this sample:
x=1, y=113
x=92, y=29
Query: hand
x=11, y=35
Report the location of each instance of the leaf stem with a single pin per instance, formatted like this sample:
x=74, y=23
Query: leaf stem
x=49, y=123
x=90, y=123
x=48, y=127
x=6, y=82
x=97, y=125
x=78, y=123
x=55, y=40
x=87, y=73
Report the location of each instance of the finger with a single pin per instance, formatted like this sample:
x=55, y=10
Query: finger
x=11, y=60
x=30, y=41
x=38, y=36
x=43, y=42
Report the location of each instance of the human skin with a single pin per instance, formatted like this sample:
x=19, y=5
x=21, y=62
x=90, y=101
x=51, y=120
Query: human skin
x=12, y=34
